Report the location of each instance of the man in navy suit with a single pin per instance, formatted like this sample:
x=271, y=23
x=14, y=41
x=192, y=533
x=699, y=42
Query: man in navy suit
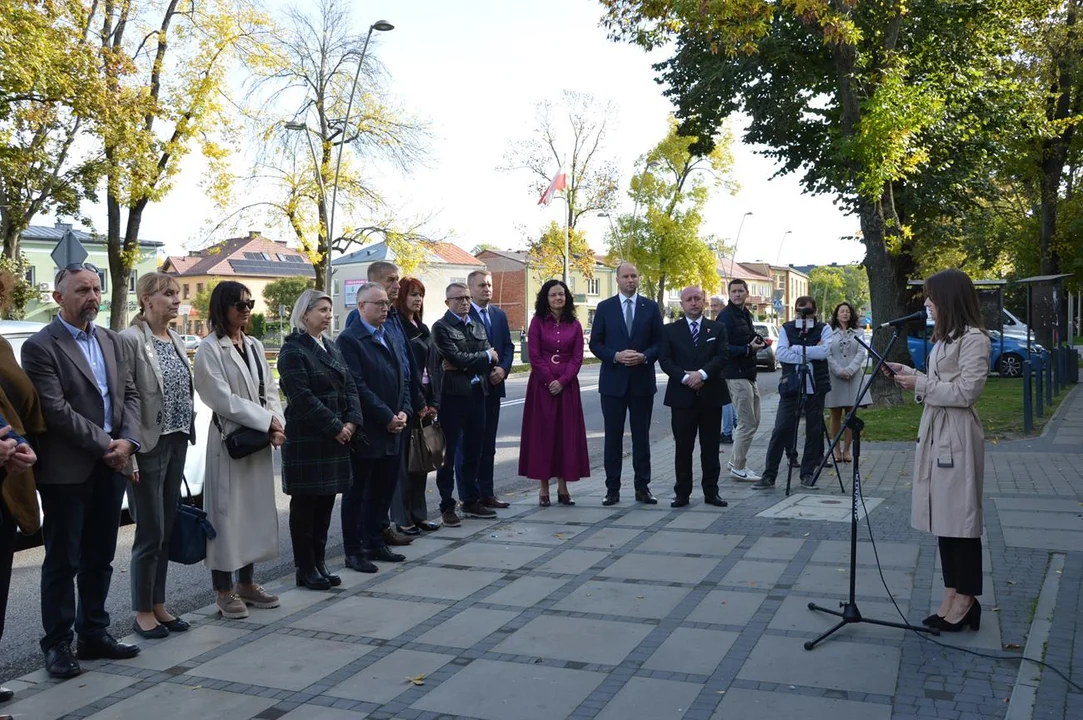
x=625, y=335
x=496, y=327
x=693, y=354
x=383, y=383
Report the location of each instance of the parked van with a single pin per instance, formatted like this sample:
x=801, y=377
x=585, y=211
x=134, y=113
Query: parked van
x=1013, y=326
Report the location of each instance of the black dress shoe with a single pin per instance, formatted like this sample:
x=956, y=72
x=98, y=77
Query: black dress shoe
x=6, y=694
x=157, y=632
x=611, y=498
x=428, y=526
x=645, y=497
x=177, y=625
x=679, y=502
x=716, y=501
x=104, y=647
x=309, y=578
x=360, y=564
x=410, y=531
x=61, y=663
x=384, y=554
x=933, y=620
x=335, y=580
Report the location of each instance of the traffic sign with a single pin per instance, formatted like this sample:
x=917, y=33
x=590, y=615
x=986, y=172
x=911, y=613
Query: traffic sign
x=778, y=305
x=69, y=251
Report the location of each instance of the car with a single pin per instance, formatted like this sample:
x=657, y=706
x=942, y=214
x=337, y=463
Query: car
x=191, y=342
x=1005, y=358
x=766, y=358
x=18, y=332
x=1013, y=327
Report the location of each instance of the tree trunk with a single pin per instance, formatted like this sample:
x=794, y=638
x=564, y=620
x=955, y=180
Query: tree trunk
x=10, y=232
x=661, y=299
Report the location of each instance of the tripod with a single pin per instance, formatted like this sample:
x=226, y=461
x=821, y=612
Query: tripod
x=804, y=378
x=850, y=613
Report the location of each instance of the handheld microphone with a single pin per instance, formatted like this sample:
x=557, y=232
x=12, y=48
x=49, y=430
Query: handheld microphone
x=912, y=317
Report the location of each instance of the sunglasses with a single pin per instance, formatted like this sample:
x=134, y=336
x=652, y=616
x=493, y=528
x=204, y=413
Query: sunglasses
x=244, y=305
x=75, y=267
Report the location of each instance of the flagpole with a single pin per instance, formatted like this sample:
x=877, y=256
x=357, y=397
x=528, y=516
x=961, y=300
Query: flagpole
x=567, y=214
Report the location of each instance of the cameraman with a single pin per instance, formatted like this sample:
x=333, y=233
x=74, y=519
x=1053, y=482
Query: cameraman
x=802, y=338
x=740, y=373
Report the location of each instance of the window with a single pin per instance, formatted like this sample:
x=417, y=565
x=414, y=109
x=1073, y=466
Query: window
x=133, y=278
x=32, y=275
x=593, y=286
x=184, y=291
x=103, y=276
x=199, y=288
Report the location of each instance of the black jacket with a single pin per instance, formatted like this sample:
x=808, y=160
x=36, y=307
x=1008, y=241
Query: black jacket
x=676, y=354
x=383, y=386
x=419, y=338
x=739, y=330
x=465, y=348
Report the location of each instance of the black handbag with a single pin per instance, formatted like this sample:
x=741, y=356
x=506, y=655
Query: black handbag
x=191, y=531
x=427, y=447
x=789, y=385
x=243, y=442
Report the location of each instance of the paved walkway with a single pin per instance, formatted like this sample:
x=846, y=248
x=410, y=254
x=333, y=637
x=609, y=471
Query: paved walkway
x=647, y=612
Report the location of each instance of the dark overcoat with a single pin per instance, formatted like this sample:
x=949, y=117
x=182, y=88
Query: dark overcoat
x=383, y=385
x=320, y=398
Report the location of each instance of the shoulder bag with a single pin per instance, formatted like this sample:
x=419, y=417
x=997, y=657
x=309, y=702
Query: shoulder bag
x=243, y=442
x=191, y=531
x=427, y=445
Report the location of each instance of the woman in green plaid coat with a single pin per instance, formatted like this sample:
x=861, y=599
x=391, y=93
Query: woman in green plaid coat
x=323, y=412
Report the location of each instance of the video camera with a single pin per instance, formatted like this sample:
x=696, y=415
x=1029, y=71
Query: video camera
x=806, y=321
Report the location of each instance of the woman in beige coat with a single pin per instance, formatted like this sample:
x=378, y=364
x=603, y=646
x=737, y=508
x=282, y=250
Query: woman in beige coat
x=231, y=370
x=949, y=464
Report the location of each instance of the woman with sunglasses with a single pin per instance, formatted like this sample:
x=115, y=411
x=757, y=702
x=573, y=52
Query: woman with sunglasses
x=234, y=380
x=163, y=376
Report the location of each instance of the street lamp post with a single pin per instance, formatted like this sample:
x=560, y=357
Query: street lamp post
x=780, y=244
x=733, y=255
x=329, y=287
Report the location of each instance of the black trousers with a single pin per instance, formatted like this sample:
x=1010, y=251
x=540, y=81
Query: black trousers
x=310, y=517
x=638, y=409
x=687, y=423
x=463, y=419
x=961, y=562
x=80, y=534
x=222, y=580
x=364, y=508
x=784, y=438
x=7, y=555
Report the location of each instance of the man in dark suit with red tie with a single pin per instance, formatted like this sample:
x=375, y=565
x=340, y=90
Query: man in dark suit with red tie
x=624, y=336
x=693, y=354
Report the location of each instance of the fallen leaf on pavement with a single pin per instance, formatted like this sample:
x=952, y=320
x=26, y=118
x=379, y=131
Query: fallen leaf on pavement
x=1012, y=646
x=419, y=680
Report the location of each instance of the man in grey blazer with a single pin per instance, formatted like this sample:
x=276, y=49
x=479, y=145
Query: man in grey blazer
x=91, y=411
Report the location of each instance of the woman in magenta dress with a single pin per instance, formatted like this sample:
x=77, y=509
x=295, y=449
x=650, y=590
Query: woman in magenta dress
x=554, y=438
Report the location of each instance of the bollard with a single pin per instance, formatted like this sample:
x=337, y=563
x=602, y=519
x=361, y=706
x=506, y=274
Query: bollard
x=1073, y=364
x=1039, y=394
x=1048, y=381
x=1055, y=362
x=1028, y=409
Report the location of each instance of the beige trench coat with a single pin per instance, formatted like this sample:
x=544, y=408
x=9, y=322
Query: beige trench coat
x=949, y=465
x=238, y=495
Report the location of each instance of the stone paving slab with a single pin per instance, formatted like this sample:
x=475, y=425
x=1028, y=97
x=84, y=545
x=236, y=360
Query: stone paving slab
x=170, y=700
x=742, y=703
x=834, y=665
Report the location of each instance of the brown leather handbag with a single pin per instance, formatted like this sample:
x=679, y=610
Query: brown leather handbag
x=427, y=447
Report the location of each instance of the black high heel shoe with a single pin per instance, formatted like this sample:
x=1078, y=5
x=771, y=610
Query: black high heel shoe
x=565, y=499
x=309, y=578
x=933, y=620
x=543, y=500
x=971, y=619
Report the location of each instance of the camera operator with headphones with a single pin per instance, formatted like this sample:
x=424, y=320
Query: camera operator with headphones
x=802, y=350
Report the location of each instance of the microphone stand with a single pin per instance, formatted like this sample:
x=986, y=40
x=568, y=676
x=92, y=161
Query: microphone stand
x=850, y=614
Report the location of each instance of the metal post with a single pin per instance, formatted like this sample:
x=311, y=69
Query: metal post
x=1049, y=381
x=1039, y=395
x=1055, y=362
x=1028, y=409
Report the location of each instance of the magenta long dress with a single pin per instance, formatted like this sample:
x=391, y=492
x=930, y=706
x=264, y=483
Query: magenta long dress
x=554, y=438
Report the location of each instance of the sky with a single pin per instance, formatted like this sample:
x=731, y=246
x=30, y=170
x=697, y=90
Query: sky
x=474, y=70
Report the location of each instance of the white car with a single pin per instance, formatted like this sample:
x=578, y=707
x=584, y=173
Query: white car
x=191, y=342
x=17, y=332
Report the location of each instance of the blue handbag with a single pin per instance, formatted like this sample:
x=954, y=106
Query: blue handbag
x=191, y=530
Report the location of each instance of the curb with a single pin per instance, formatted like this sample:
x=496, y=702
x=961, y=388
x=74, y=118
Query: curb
x=1025, y=692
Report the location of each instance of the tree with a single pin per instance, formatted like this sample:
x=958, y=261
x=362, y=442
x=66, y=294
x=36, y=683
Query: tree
x=165, y=70
x=299, y=160
x=672, y=185
x=546, y=253
x=283, y=293
x=592, y=176
x=201, y=303
x=47, y=88
x=830, y=285
x=870, y=101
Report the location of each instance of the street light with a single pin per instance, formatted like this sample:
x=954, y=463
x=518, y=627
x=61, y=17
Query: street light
x=329, y=287
x=613, y=232
x=780, y=244
x=733, y=255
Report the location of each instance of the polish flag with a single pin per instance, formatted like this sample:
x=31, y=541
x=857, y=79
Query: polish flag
x=559, y=182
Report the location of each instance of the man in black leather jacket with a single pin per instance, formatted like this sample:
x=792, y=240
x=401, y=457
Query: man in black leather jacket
x=744, y=343
x=467, y=358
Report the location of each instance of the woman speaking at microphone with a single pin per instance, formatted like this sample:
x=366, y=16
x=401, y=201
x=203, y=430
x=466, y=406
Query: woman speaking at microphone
x=949, y=463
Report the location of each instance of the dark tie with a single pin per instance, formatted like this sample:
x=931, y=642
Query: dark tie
x=695, y=332
x=379, y=335
x=485, y=319
x=628, y=315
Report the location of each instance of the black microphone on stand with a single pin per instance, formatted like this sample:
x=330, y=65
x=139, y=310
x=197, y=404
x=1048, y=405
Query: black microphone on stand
x=912, y=317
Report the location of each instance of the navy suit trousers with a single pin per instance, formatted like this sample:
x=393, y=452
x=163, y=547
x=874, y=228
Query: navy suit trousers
x=638, y=408
x=463, y=419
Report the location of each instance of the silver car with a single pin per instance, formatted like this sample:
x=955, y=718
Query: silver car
x=17, y=332
x=766, y=358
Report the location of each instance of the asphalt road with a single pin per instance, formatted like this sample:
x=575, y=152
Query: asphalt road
x=189, y=586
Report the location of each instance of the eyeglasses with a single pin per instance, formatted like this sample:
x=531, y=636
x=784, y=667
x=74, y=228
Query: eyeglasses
x=459, y=298
x=76, y=267
x=243, y=305
x=378, y=303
